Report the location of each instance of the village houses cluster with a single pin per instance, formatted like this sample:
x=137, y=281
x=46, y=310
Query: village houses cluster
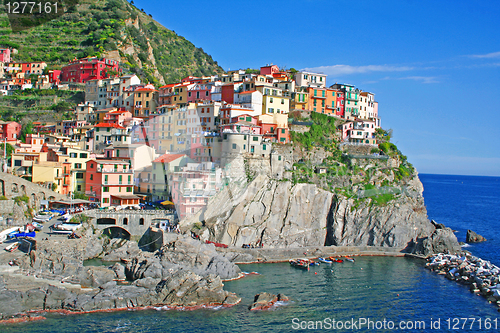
x=131, y=142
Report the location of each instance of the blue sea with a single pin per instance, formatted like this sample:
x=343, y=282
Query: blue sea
x=372, y=294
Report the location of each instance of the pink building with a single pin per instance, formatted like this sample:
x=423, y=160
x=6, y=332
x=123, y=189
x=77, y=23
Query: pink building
x=118, y=117
x=5, y=55
x=110, y=183
x=241, y=127
x=10, y=130
x=199, y=92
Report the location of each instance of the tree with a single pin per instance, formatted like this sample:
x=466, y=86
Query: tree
x=8, y=151
x=27, y=129
x=61, y=106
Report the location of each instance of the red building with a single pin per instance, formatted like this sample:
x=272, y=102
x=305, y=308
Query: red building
x=10, y=130
x=228, y=93
x=269, y=70
x=5, y=55
x=54, y=76
x=83, y=70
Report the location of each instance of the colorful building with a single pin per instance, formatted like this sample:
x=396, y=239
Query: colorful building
x=110, y=182
x=10, y=130
x=82, y=70
x=5, y=55
x=308, y=79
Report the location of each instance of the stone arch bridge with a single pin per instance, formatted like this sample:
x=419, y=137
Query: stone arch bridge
x=130, y=224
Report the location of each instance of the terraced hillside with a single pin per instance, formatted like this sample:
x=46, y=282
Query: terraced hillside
x=115, y=29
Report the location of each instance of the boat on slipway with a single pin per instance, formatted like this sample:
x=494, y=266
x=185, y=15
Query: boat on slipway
x=12, y=247
x=4, y=234
x=324, y=260
x=336, y=260
x=300, y=263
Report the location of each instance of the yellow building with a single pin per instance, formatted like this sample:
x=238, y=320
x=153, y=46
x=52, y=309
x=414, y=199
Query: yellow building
x=49, y=172
x=274, y=101
x=77, y=159
x=145, y=102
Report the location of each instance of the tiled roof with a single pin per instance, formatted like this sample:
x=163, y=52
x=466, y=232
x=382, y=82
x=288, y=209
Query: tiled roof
x=167, y=158
x=109, y=125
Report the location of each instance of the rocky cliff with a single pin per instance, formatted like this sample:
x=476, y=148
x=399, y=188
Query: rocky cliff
x=184, y=273
x=320, y=197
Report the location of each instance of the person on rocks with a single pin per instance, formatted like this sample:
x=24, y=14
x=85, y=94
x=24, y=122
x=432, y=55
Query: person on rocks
x=32, y=258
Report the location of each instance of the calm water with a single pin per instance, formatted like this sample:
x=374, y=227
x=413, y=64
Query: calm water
x=395, y=289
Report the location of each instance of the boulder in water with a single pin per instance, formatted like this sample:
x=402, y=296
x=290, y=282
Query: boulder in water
x=265, y=300
x=472, y=237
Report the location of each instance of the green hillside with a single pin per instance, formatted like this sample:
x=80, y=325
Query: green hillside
x=114, y=29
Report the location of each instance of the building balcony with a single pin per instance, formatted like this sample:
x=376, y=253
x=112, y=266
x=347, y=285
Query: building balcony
x=90, y=193
x=105, y=170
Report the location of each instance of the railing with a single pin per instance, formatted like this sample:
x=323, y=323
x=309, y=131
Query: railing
x=114, y=171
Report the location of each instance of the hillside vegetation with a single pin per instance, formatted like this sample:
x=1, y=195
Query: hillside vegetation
x=115, y=29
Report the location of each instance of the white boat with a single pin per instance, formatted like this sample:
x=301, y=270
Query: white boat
x=6, y=232
x=65, y=228
x=42, y=218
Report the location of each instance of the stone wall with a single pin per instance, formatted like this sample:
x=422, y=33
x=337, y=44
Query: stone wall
x=12, y=186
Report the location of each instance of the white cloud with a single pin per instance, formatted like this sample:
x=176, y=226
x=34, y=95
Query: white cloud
x=337, y=70
x=486, y=56
x=423, y=79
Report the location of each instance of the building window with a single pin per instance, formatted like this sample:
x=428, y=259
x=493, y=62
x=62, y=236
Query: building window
x=234, y=145
x=105, y=189
x=129, y=189
x=256, y=138
x=125, y=221
x=91, y=177
x=141, y=221
x=279, y=158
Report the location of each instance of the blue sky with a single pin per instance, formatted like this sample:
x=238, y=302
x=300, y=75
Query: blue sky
x=434, y=66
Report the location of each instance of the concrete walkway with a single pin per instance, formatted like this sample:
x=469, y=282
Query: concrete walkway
x=310, y=252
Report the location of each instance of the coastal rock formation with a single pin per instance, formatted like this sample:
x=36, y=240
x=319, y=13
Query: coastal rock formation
x=265, y=300
x=440, y=241
x=482, y=276
x=185, y=273
x=472, y=237
x=276, y=214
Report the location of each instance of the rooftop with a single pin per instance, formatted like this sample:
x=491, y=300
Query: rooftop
x=167, y=158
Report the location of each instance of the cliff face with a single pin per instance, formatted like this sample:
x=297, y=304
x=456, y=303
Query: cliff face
x=281, y=214
x=395, y=224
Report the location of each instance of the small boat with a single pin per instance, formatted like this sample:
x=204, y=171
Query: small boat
x=336, y=259
x=327, y=261
x=4, y=234
x=313, y=263
x=38, y=226
x=300, y=263
x=42, y=218
x=12, y=247
x=22, y=234
x=64, y=228
x=349, y=259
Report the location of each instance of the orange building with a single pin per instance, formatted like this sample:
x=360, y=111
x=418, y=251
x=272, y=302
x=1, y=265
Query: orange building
x=321, y=100
x=110, y=183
